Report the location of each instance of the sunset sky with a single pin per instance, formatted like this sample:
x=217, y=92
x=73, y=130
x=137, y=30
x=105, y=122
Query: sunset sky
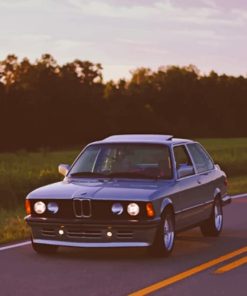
x=125, y=34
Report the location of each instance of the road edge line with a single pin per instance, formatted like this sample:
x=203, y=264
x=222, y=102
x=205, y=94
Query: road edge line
x=15, y=246
x=243, y=195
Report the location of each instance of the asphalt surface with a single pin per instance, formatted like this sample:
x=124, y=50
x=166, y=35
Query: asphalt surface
x=102, y=272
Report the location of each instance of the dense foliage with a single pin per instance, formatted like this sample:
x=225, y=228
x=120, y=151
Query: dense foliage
x=44, y=104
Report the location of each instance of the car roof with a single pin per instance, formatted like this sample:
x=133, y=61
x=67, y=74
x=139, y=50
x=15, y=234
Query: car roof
x=143, y=138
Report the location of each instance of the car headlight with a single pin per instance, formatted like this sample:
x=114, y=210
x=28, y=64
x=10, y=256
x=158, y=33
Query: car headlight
x=133, y=209
x=117, y=209
x=39, y=207
x=53, y=207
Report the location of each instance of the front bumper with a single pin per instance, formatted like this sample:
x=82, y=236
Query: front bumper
x=93, y=234
x=226, y=200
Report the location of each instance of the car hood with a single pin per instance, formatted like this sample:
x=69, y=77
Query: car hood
x=104, y=190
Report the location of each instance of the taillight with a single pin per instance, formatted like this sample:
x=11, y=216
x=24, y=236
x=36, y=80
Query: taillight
x=226, y=182
x=150, y=210
x=28, y=207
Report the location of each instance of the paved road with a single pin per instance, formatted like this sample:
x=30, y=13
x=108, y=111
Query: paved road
x=126, y=271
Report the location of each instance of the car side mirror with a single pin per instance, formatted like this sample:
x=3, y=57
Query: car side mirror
x=63, y=169
x=185, y=170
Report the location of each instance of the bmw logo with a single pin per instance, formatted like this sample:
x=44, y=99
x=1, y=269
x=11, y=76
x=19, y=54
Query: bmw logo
x=117, y=209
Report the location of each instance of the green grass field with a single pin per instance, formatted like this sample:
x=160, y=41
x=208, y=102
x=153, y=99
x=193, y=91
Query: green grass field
x=12, y=225
x=231, y=155
x=21, y=172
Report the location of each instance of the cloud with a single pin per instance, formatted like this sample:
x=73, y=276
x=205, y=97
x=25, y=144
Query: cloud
x=143, y=46
x=163, y=11
x=125, y=34
x=33, y=45
x=104, y=9
x=9, y=43
x=241, y=14
x=15, y=4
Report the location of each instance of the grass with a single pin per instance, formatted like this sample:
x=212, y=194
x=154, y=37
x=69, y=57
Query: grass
x=237, y=185
x=231, y=155
x=22, y=172
x=12, y=225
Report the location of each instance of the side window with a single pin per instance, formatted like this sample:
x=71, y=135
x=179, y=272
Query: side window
x=202, y=161
x=182, y=159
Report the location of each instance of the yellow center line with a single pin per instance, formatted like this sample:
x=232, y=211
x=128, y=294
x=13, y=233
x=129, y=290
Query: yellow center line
x=232, y=265
x=187, y=273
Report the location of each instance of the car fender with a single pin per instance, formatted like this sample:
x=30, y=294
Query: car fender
x=217, y=192
x=224, y=198
x=165, y=203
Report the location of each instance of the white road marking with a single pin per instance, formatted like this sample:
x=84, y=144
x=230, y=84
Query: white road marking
x=15, y=246
x=239, y=196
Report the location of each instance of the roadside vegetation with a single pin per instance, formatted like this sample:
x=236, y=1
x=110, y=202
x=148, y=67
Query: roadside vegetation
x=48, y=104
x=231, y=155
x=12, y=225
x=20, y=173
x=24, y=171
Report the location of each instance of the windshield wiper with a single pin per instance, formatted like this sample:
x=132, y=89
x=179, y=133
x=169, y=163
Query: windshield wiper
x=87, y=174
x=130, y=175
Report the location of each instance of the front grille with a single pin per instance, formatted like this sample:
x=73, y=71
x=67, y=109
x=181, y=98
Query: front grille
x=124, y=234
x=82, y=208
x=80, y=233
x=85, y=232
x=48, y=232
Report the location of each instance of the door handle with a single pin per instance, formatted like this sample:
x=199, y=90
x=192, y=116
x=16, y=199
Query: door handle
x=199, y=181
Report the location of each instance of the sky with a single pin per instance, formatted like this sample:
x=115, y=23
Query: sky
x=123, y=35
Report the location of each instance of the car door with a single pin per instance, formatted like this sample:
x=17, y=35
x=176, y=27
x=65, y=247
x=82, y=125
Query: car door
x=205, y=176
x=188, y=202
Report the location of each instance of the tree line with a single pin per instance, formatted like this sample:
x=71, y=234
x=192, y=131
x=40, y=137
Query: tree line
x=44, y=104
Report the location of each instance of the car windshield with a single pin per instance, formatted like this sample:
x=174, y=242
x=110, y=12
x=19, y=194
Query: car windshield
x=124, y=161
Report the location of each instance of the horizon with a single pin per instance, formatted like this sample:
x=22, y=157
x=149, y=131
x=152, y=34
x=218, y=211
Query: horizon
x=129, y=76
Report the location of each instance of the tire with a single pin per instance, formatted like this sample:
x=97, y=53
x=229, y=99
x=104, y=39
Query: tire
x=213, y=226
x=44, y=249
x=165, y=236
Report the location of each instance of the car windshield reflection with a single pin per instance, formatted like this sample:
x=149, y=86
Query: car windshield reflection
x=144, y=161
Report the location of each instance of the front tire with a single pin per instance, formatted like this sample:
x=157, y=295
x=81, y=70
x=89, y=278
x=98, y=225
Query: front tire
x=213, y=226
x=44, y=249
x=165, y=237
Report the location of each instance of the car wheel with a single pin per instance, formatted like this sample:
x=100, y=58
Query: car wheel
x=44, y=249
x=213, y=226
x=164, y=240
